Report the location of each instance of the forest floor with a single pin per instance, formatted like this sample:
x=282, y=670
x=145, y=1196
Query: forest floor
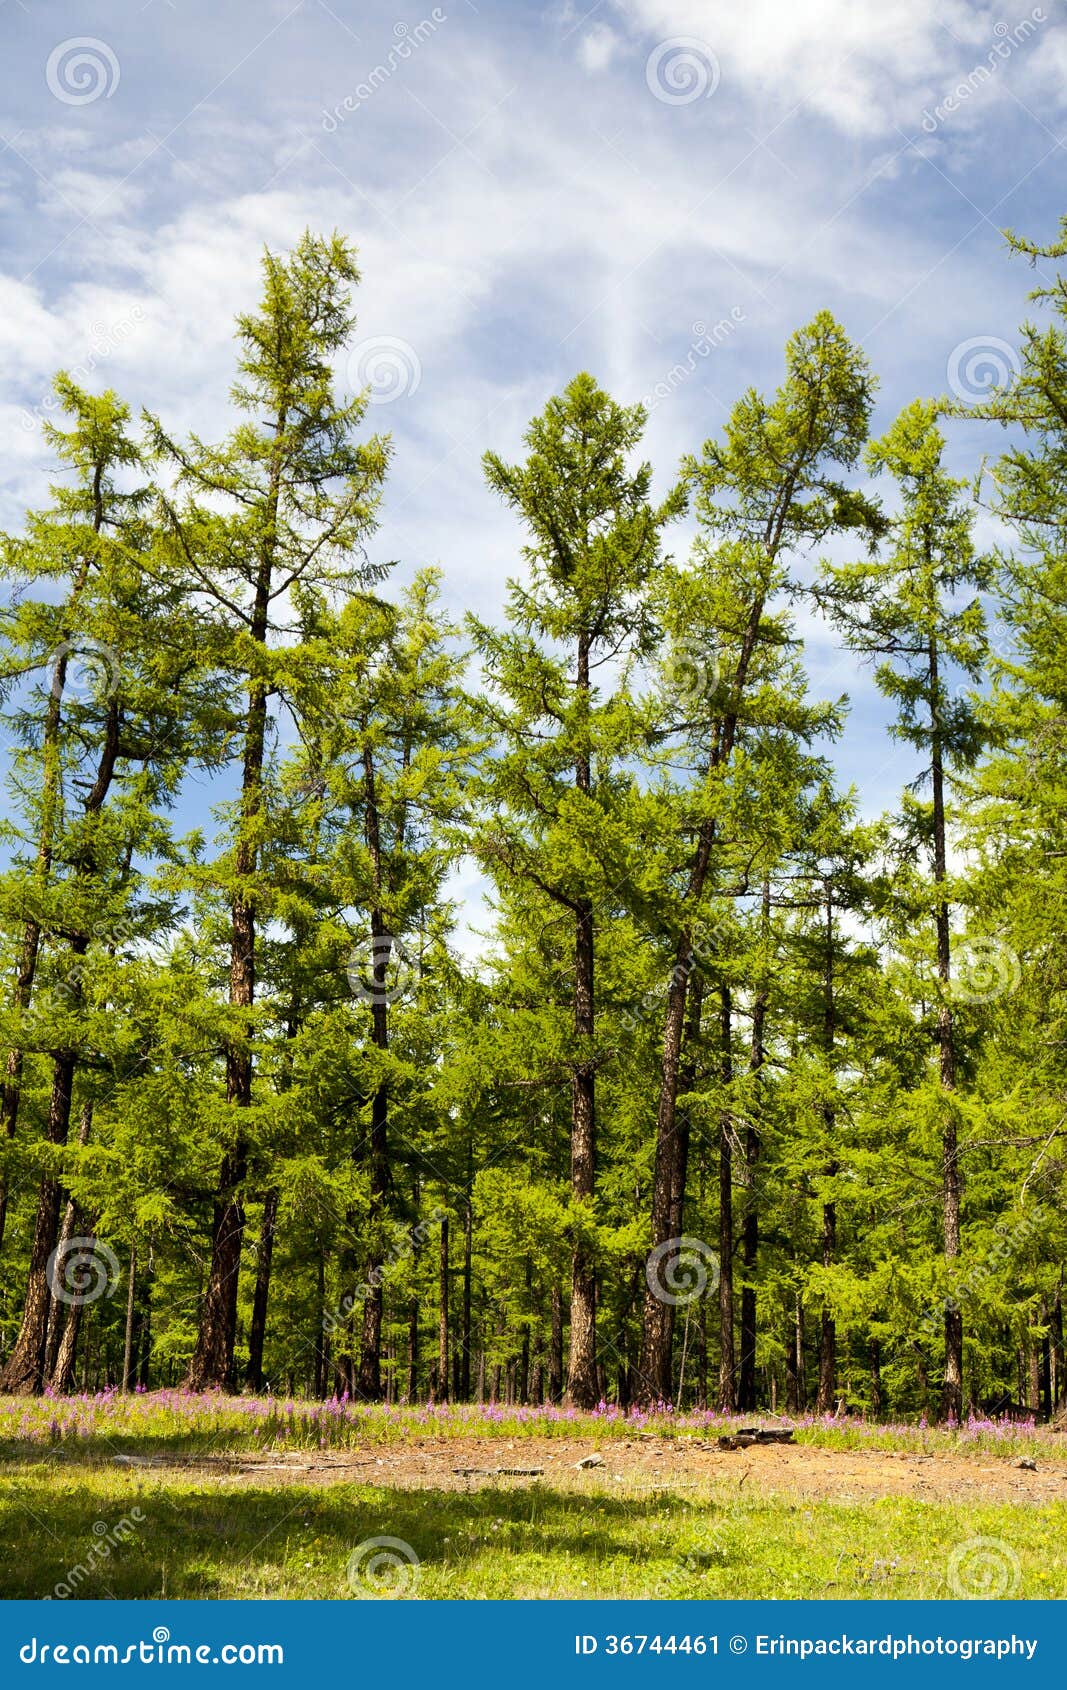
x=177, y=1497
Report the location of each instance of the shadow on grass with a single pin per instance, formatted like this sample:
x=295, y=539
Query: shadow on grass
x=97, y=1449
x=292, y=1540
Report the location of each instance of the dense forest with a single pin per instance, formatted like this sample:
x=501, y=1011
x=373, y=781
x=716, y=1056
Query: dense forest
x=752, y=1099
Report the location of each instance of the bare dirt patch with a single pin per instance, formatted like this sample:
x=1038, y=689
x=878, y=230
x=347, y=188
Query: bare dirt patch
x=772, y=1470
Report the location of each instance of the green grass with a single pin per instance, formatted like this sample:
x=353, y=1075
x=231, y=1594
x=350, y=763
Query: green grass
x=74, y=1521
x=212, y=1539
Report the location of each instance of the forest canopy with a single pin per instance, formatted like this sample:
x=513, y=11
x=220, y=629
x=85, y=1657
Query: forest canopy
x=754, y=1099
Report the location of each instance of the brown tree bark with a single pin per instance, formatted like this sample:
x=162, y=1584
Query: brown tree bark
x=465, y=1305
x=727, y=1358
x=555, y=1347
x=24, y=1372
x=442, y=1316
x=876, y=1379
x=51, y=785
x=257, y=1332
x=131, y=1304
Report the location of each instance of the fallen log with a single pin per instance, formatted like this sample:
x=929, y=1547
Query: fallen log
x=749, y=1435
x=499, y=1472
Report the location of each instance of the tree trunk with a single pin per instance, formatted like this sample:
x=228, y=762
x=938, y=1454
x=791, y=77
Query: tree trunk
x=257, y=1332
x=75, y=1223
x=1046, y=1369
x=11, y=1090
x=465, y=1306
x=876, y=1379
x=581, y=1368
x=23, y=1374
x=212, y=1364
x=827, y=1387
x=952, y=1386
x=145, y=1336
x=370, y=1361
x=657, y=1325
x=746, y=1390
x=582, y=1382
x=413, y=1351
x=127, y=1346
x=322, y=1359
x=555, y=1348
x=51, y=784
x=442, y=1317
x=727, y=1363
x=657, y=1329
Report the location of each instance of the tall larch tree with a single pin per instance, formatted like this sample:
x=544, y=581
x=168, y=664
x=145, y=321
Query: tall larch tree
x=565, y=724
x=286, y=502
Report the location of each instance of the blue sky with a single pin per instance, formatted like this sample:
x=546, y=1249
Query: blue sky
x=533, y=190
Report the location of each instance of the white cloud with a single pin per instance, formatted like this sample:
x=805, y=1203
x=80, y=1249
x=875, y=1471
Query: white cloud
x=597, y=47
x=866, y=65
